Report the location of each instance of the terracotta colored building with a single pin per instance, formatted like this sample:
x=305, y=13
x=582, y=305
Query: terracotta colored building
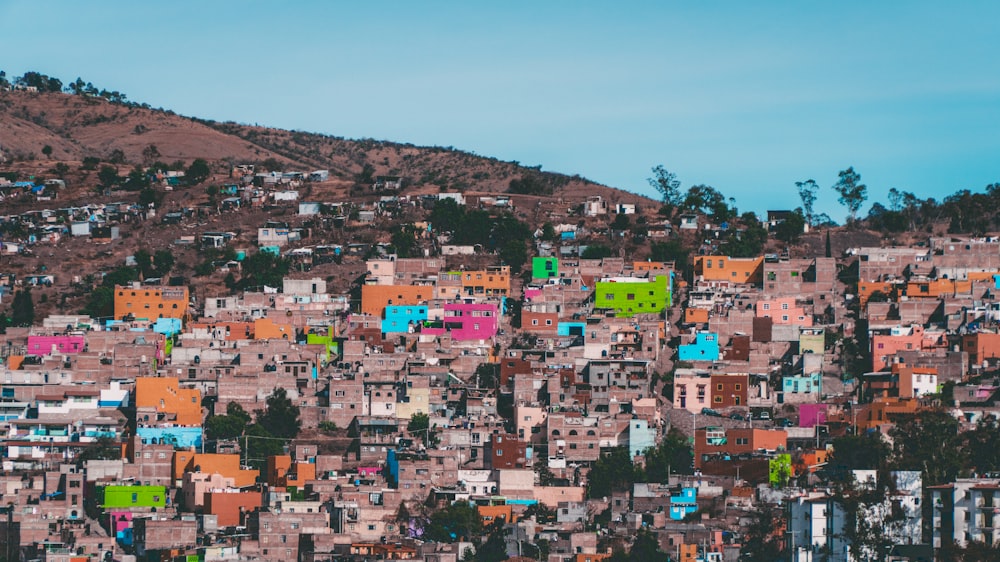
x=151, y=302
x=374, y=298
x=165, y=396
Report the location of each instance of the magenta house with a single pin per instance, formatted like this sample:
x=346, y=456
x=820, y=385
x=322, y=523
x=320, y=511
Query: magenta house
x=465, y=322
x=46, y=345
x=811, y=415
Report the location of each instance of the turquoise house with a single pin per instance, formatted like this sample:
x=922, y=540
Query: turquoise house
x=684, y=504
x=401, y=318
x=704, y=348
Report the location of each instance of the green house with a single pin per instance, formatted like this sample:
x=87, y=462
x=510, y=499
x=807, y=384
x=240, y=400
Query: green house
x=544, y=268
x=629, y=296
x=124, y=497
x=327, y=340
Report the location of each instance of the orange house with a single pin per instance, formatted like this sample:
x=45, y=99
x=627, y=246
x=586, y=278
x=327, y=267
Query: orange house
x=651, y=266
x=489, y=282
x=229, y=505
x=166, y=396
x=717, y=440
x=877, y=414
x=937, y=288
x=267, y=329
x=733, y=270
x=228, y=331
x=282, y=472
x=491, y=513
x=213, y=463
x=596, y=557
x=151, y=302
x=374, y=298
x=695, y=316
x=981, y=346
x=866, y=288
x=810, y=461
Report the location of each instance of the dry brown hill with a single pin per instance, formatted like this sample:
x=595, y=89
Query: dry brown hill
x=77, y=126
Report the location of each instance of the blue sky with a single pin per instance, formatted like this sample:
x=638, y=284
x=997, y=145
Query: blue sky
x=748, y=97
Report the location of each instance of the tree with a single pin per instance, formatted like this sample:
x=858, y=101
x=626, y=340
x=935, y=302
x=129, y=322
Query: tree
x=136, y=179
x=150, y=154
x=807, y=192
x=163, y=261
x=91, y=162
x=613, y=471
x=101, y=303
x=459, y=521
x=108, y=176
x=707, y=200
x=404, y=240
x=419, y=426
x=47, y=151
x=668, y=186
x=22, y=310
x=263, y=268
x=790, y=229
x=929, y=442
x=197, y=172
x=596, y=252
x=104, y=449
x=144, y=261
x=229, y=426
x=672, y=455
x=983, y=445
x=762, y=540
x=281, y=417
x=859, y=452
x=852, y=192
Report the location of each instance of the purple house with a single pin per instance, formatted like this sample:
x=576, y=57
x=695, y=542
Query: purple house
x=46, y=345
x=811, y=415
x=465, y=322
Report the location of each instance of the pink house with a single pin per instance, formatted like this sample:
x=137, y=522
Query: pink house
x=465, y=321
x=46, y=345
x=811, y=415
x=783, y=310
x=902, y=338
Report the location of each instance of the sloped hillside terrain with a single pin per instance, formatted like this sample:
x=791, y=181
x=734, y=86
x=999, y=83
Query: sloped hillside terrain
x=78, y=126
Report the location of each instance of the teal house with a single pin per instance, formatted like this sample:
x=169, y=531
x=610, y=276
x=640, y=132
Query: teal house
x=704, y=348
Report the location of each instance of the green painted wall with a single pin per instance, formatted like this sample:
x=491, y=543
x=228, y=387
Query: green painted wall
x=133, y=496
x=544, y=268
x=631, y=298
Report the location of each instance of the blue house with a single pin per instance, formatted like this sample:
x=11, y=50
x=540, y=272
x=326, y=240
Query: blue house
x=566, y=329
x=803, y=384
x=400, y=318
x=640, y=437
x=684, y=504
x=704, y=348
x=179, y=437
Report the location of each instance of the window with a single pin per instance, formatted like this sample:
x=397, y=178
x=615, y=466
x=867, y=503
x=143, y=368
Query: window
x=718, y=400
x=738, y=387
x=718, y=387
x=766, y=306
x=784, y=306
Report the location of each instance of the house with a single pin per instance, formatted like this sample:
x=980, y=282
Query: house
x=388, y=183
x=595, y=205
x=704, y=348
x=150, y=303
x=627, y=296
x=689, y=222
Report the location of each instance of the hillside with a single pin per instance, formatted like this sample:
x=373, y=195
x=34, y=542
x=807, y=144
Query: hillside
x=76, y=127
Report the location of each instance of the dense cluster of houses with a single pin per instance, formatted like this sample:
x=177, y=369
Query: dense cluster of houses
x=525, y=382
